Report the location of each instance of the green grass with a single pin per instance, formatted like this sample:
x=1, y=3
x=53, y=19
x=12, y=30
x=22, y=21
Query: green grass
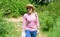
x=52, y=14
x=56, y=30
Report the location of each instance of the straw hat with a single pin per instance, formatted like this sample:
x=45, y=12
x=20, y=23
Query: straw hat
x=30, y=5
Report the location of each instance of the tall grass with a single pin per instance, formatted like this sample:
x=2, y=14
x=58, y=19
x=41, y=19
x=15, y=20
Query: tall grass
x=49, y=17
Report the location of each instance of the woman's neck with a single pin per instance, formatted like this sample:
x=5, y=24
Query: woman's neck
x=30, y=13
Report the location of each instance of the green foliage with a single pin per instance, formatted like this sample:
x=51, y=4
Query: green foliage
x=48, y=15
x=56, y=30
x=42, y=2
x=6, y=28
x=46, y=21
x=13, y=8
x=54, y=9
x=49, y=18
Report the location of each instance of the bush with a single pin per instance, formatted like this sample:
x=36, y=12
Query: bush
x=47, y=21
x=48, y=15
x=42, y=2
x=6, y=28
x=13, y=8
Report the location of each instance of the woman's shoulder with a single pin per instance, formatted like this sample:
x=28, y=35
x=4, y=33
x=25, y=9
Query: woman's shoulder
x=35, y=13
x=25, y=14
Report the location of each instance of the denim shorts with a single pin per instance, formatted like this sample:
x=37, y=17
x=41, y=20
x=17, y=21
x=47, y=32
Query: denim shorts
x=31, y=33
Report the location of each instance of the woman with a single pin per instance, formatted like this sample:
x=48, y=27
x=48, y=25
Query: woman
x=30, y=22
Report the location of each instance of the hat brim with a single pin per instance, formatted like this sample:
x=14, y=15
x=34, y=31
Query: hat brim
x=29, y=5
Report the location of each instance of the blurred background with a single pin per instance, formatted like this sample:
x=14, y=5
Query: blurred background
x=12, y=11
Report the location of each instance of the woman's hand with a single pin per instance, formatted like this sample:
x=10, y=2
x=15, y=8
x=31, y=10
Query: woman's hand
x=38, y=31
x=23, y=30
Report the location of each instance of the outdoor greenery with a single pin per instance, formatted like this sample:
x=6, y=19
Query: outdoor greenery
x=49, y=16
x=13, y=8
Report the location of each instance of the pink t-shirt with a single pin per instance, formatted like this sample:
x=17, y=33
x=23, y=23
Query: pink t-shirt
x=30, y=22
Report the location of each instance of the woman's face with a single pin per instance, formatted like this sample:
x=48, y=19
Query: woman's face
x=29, y=10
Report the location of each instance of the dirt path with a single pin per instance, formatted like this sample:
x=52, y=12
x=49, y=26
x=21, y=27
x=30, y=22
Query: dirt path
x=18, y=23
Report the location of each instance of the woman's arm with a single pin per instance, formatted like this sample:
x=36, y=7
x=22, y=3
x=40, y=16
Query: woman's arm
x=24, y=22
x=38, y=25
x=37, y=21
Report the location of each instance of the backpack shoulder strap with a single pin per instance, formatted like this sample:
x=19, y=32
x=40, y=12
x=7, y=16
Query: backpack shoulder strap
x=35, y=14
